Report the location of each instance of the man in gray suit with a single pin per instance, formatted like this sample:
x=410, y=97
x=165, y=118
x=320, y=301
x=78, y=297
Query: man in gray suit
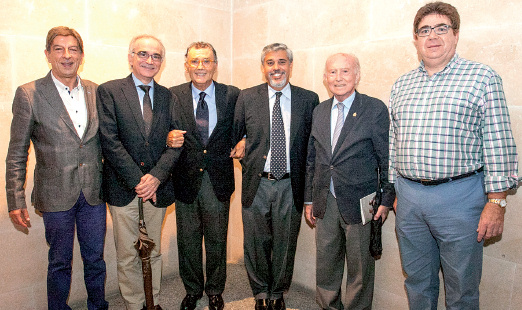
x=275, y=120
x=348, y=142
x=58, y=114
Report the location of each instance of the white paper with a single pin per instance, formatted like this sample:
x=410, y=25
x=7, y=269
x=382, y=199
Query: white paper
x=366, y=206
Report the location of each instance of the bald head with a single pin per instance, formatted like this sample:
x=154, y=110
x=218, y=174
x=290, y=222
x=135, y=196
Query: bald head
x=342, y=74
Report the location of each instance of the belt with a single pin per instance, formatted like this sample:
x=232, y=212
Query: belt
x=270, y=176
x=426, y=182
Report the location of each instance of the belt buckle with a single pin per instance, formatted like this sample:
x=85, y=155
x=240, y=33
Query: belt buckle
x=425, y=182
x=270, y=177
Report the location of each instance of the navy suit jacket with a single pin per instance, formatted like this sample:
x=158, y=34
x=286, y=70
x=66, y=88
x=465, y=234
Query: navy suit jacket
x=128, y=153
x=252, y=118
x=361, y=148
x=215, y=157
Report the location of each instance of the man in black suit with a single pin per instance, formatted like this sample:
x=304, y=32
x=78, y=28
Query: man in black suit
x=204, y=178
x=348, y=142
x=275, y=119
x=135, y=118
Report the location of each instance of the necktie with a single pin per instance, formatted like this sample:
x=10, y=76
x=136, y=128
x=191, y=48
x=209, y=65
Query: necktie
x=202, y=118
x=147, y=108
x=278, y=141
x=337, y=131
x=339, y=124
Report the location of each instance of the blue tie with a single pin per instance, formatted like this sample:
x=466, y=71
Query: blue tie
x=202, y=118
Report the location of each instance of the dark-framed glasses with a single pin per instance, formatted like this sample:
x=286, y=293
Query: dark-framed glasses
x=195, y=62
x=145, y=56
x=439, y=29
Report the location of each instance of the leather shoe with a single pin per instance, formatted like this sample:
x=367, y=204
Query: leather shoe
x=278, y=304
x=156, y=307
x=215, y=302
x=262, y=304
x=189, y=302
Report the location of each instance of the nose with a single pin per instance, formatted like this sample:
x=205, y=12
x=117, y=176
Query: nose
x=67, y=54
x=433, y=35
x=149, y=59
x=200, y=65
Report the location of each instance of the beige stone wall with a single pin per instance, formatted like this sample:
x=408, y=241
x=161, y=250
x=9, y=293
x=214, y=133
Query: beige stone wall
x=378, y=32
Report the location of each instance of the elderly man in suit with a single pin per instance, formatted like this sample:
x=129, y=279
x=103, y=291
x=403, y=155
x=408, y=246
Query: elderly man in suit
x=348, y=142
x=275, y=121
x=204, y=176
x=58, y=114
x=135, y=118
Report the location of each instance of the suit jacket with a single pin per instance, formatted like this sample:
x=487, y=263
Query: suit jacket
x=252, y=118
x=361, y=148
x=65, y=162
x=128, y=153
x=215, y=157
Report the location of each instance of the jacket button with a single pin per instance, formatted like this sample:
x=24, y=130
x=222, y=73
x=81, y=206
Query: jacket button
x=331, y=167
x=204, y=151
x=201, y=169
x=146, y=143
x=264, y=157
x=81, y=145
x=81, y=164
x=142, y=164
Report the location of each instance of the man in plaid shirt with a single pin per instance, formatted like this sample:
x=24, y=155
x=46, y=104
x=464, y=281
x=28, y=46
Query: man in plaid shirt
x=452, y=159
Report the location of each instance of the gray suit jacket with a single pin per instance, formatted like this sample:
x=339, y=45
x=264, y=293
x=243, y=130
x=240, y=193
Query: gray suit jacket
x=361, y=148
x=252, y=118
x=65, y=163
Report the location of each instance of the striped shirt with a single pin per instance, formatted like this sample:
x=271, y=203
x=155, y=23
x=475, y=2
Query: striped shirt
x=452, y=123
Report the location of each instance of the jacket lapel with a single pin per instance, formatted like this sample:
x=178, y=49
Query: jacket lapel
x=133, y=101
x=92, y=116
x=50, y=92
x=221, y=105
x=351, y=118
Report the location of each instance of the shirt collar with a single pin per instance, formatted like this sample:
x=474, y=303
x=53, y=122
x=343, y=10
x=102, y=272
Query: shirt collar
x=451, y=64
x=347, y=102
x=62, y=87
x=209, y=91
x=286, y=91
x=137, y=82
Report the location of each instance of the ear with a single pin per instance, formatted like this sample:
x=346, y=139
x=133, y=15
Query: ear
x=47, y=55
x=129, y=57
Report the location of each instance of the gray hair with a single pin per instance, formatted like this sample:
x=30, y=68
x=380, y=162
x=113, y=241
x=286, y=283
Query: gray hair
x=202, y=45
x=274, y=47
x=145, y=36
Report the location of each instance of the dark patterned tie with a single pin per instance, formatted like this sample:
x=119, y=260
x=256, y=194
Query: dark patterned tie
x=147, y=109
x=202, y=117
x=278, y=141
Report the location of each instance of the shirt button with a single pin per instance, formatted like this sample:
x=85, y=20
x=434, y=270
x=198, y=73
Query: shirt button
x=142, y=164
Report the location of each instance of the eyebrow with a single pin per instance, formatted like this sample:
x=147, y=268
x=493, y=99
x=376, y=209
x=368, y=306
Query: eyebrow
x=438, y=25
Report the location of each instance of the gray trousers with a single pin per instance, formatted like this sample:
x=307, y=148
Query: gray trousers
x=204, y=219
x=271, y=226
x=336, y=242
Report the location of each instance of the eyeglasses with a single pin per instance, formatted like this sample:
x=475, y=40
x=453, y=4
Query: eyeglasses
x=145, y=56
x=439, y=29
x=195, y=62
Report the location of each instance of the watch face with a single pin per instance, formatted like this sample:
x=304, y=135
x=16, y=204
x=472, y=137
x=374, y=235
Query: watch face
x=503, y=203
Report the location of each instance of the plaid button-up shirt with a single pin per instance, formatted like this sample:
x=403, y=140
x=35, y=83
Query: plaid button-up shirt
x=452, y=123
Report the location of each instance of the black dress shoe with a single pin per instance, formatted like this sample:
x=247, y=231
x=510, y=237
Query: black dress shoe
x=189, y=302
x=278, y=304
x=262, y=304
x=156, y=307
x=215, y=302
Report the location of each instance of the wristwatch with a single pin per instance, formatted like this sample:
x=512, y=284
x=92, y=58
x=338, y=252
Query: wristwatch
x=500, y=202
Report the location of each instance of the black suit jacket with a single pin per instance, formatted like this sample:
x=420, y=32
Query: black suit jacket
x=215, y=157
x=128, y=153
x=252, y=118
x=361, y=148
